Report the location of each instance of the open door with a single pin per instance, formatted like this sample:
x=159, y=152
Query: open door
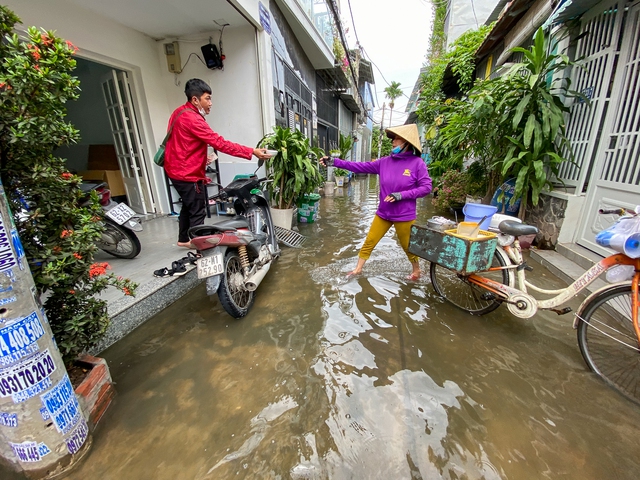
x=127, y=141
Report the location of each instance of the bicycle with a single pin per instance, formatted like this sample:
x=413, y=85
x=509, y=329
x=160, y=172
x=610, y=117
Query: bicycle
x=606, y=321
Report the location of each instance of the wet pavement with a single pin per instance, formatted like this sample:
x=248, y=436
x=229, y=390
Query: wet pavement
x=375, y=377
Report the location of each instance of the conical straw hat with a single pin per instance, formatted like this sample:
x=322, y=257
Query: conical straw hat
x=406, y=132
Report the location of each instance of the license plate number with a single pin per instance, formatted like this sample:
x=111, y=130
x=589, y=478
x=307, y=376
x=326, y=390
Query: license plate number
x=210, y=266
x=120, y=213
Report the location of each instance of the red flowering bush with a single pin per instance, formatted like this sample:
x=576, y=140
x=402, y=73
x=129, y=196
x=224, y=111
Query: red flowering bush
x=58, y=235
x=451, y=190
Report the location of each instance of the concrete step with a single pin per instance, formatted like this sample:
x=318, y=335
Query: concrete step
x=563, y=263
x=578, y=254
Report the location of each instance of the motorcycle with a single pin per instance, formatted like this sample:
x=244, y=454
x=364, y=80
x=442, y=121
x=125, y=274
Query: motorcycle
x=120, y=223
x=237, y=253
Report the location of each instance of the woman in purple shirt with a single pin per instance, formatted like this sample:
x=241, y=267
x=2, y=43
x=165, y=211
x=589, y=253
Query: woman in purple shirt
x=403, y=179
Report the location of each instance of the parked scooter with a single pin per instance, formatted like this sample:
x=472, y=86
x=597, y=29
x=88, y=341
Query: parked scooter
x=119, y=238
x=237, y=253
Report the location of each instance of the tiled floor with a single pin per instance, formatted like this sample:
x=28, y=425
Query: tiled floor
x=159, y=249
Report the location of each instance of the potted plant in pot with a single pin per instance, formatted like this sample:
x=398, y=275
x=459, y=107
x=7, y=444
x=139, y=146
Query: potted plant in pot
x=340, y=174
x=328, y=184
x=294, y=170
x=346, y=144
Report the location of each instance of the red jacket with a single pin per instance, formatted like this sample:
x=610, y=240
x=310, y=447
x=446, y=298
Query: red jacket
x=185, y=155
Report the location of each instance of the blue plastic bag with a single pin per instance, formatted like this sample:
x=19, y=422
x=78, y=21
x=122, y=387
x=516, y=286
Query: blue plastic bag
x=508, y=187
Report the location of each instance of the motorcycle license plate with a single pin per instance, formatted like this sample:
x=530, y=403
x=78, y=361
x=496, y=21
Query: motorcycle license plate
x=120, y=213
x=210, y=266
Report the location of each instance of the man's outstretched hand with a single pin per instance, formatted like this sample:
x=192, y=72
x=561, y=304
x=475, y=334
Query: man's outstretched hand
x=261, y=153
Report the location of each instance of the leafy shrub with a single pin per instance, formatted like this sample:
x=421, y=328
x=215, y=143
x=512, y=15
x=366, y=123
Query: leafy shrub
x=58, y=236
x=451, y=190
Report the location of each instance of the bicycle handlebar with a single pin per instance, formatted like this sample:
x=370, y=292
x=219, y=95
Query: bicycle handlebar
x=617, y=211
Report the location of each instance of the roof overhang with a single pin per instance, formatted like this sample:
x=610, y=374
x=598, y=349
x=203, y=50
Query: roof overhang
x=350, y=101
x=509, y=17
x=164, y=19
x=335, y=78
x=365, y=71
x=568, y=9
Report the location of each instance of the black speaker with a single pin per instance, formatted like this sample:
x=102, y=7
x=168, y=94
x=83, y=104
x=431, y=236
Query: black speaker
x=211, y=56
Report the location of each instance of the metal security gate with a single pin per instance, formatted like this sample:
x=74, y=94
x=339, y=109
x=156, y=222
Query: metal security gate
x=597, y=47
x=615, y=181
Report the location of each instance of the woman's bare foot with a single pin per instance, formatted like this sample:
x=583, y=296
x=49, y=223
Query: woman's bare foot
x=186, y=245
x=414, y=276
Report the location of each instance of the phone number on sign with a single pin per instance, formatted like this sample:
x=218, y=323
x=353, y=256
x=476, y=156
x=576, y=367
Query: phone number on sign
x=27, y=374
x=77, y=438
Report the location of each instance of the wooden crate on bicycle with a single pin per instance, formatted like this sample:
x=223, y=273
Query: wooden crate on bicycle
x=456, y=252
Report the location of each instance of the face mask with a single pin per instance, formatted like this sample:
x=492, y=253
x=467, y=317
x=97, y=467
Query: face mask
x=200, y=109
x=396, y=150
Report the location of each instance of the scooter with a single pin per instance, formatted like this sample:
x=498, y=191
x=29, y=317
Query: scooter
x=237, y=253
x=120, y=223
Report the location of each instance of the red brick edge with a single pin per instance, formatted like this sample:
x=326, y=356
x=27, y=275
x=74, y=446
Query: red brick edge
x=96, y=391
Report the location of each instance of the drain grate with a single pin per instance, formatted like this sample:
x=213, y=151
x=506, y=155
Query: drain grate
x=289, y=237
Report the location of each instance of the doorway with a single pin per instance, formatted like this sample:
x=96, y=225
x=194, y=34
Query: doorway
x=110, y=148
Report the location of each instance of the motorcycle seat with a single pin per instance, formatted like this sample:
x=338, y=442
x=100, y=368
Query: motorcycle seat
x=226, y=225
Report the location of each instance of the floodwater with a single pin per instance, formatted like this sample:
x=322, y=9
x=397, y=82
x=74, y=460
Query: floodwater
x=370, y=378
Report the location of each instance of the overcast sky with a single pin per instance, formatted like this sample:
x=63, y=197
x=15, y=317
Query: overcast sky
x=395, y=37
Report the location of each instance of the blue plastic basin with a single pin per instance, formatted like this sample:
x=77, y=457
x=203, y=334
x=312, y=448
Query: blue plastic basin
x=473, y=212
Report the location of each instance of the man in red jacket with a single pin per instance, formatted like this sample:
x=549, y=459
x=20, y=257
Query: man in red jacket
x=186, y=155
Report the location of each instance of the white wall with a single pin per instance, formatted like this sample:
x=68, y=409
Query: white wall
x=236, y=112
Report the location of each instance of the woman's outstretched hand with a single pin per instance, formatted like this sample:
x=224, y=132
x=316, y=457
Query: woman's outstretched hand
x=326, y=161
x=393, y=197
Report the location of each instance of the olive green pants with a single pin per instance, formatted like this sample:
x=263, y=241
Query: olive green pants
x=379, y=228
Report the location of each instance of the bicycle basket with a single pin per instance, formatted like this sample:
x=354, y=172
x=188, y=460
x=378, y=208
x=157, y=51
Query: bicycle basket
x=456, y=252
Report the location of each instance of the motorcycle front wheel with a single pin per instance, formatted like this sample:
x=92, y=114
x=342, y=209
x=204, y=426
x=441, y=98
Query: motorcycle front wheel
x=235, y=299
x=118, y=241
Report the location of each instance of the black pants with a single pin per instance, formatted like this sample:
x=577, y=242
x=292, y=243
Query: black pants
x=192, y=213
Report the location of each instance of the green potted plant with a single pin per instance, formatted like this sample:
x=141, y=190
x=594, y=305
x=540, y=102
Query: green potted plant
x=294, y=170
x=328, y=184
x=340, y=174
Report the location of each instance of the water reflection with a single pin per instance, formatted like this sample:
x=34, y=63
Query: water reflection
x=370, y=377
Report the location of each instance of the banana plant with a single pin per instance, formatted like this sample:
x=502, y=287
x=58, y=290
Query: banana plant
x=294, y=168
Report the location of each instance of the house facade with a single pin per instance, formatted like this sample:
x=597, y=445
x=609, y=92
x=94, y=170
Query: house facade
x=261, y=59
x=604, y=38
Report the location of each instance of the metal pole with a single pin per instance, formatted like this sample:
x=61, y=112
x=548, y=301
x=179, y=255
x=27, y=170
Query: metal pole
x=381, y=130
x=43, y=431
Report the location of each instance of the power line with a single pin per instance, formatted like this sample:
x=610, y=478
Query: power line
x=367, y=55
x=336, y=18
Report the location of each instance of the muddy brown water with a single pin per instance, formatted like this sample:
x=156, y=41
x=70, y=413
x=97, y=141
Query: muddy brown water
x=371, y=378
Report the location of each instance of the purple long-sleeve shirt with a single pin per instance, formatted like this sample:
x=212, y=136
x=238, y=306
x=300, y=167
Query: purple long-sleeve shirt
x=403, y=173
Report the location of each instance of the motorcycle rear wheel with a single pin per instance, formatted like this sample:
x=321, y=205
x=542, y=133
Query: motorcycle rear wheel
x=235, y=299
x=118, y=241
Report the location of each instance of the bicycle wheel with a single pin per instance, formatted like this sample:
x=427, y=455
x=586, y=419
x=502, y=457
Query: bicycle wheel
x=608, y=342
x=456, y=289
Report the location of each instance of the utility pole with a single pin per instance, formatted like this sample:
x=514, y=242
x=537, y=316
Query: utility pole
x=43, y=431
x=381, y=130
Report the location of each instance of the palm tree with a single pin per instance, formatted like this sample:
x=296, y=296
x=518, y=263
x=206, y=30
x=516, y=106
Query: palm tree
x=393, y=91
